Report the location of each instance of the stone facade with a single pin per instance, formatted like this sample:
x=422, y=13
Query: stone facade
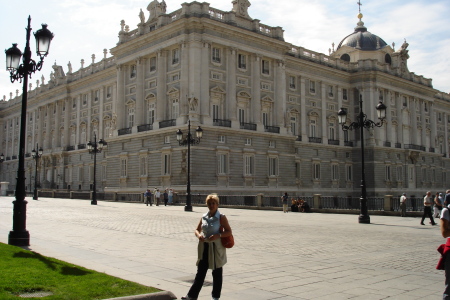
x=268, y=110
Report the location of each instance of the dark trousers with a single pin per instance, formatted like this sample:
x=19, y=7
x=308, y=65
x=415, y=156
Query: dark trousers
x=427, y=213
x=446, y=295
x=165, y=201
x=403, y=209
x=149, y=200
x=201, y=274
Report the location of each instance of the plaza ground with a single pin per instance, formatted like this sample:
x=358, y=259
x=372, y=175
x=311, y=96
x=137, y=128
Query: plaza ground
x=276, y=256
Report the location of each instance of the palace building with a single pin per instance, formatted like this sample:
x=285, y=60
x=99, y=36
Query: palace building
x=268, y=110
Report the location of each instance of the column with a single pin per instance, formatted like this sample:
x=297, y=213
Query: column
x=423, y=142
x=67, y=122
x=324, y=126
x=303, y=116
x=433, y=121
x=58, y=109
x=412, y=108
x=204, y=80
x=446, y=137
x=140, y=101
x=230, y=105
x=161, y=88
x=100, y=112
x=120, y=99
x=77, y=134
x=398, y=107
x=254, y=115
x=388, y=127
x=280, y=96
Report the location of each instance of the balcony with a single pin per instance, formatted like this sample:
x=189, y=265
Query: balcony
x=81, y=146
x=14, y=157
x=124, y=131
x=444, y=154
x=70, y=148
x=273, y=129
x=315, y=140
x=333, y=142
x=387, y=144
x=299, y=138
x=414, y=147
x=167, y=123
x=348, y=144
x=222, y=123
x=432, y=150
x=248, y=126
x=145, y=127
x=27, y=154
x=398, y=145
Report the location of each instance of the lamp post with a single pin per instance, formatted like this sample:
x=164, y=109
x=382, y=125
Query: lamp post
x=36, y=155
x=19, y=236
x=361, y=123
x=2, y=158
x=95, y=148
x=188, y=141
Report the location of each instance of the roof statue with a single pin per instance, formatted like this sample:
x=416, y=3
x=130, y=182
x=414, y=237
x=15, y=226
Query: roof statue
x=240, y=7
x=142, y=16
x=156, y=9
x=404, y=56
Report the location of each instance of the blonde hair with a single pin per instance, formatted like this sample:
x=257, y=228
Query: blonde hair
x=212, y=197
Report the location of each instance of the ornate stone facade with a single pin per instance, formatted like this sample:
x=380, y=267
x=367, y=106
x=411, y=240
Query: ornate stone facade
x=268, y=110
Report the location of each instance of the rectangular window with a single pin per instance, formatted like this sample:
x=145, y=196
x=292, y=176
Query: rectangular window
x=152, y=64
x=273, y=166
x=222, y=164
x=133, y=71
x=331, y=131
x=167, y=139
x=215, y=112
x=85, y=99
x=241, y=115
x=166, y=164
x=334, y=172
x=242, y=61
x=130, y=116
x=151, y=113
x=175, y=108
x=312, y=128
x=97, y=95
x=316, y=171
x=344, y=94
x=265, y=67
x=388, y=173
x=248, y=141
x=312, y=86
x=143, y=166
x=292, y=82
x=175, y=56
x=216, y=55
x=330, y=91
x=265, y=119
x=248, y=165
x=297, y=170
x=399, y=174
x=108, y=92
x=294, y=125
x=349, y=172
x=221, y=139
x=123, y=168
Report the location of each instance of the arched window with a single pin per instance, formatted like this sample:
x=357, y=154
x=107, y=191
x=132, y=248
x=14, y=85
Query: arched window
x=345, y=57
x=387, y=59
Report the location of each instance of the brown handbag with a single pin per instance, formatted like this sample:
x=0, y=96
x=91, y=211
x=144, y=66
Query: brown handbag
x=227, y=242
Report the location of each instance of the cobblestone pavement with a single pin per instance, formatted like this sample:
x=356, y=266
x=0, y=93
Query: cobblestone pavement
x=276, y=256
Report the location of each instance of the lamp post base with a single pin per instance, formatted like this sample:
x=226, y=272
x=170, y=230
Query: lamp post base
x=364, y=219
x=19, y=238
x=188, y=208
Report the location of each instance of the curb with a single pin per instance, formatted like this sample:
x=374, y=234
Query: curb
x=166, y=295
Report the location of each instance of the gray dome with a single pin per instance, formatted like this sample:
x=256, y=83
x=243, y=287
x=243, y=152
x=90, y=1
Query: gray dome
x=362, y=39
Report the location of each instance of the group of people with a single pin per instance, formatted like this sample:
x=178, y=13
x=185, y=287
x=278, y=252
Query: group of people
x=298, y=205
x=157, y=196
x=432, y=205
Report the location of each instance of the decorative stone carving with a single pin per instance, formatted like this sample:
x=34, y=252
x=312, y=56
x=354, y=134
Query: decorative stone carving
x=240, y=7
x=193, y=104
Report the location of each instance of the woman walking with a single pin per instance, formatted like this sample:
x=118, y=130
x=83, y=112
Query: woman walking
x=211, y=254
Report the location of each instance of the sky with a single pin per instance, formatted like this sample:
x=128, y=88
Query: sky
x=86, y=27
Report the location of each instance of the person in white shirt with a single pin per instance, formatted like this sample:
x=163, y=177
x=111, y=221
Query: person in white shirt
x=427, y=203
x=403, y=204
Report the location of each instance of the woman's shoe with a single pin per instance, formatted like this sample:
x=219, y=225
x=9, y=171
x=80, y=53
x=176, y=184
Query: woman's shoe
x=188, y=298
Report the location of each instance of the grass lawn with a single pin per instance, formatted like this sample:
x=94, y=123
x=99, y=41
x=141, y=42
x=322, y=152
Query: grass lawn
x=23, y=271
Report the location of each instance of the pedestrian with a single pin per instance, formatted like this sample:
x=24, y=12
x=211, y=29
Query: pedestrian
x=148, y=197
x=170, y=196
x=445, y=231
x=211, y=253
x=284, y=201
x=427, y=202
x=438, y=204
x=166, y=197
x=157, y=196
x=403, y=205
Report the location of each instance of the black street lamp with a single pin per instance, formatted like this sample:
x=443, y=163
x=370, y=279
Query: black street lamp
x=189, y=140
x=95, y=148
x=2, y=158
x=361, y=123
x=36, y=155
x=19, y=236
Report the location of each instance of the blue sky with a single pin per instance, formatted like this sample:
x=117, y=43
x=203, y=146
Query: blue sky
x=86, y=27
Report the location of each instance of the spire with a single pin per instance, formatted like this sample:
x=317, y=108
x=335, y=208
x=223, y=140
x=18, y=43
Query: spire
x=360, y=27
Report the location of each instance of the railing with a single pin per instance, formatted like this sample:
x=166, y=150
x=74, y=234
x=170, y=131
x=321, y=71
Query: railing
x=398, y=145
x=14, y=157
x=387, y=144
x=248, y=126
x=27, y=155
x=348, y=144
x=272, y=129
x=145, y=127
x=432, y=150
x=315, y=140
x=333, y=142
x=124, y=131
x=223, y=123
x=81, y=146
x=167, y=123
x=70, y=148
x=414, y=147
